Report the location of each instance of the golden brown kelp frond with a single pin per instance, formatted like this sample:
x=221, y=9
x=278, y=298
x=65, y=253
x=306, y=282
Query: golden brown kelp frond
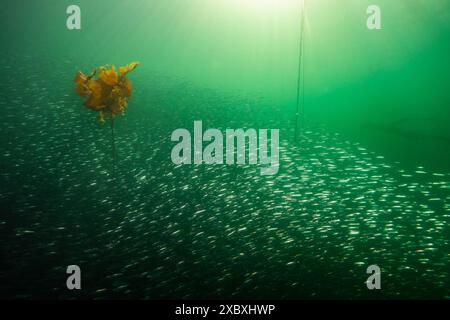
x=128, y=68
x=126, y=87
x=109, y=75
x=81, y=80
x=98, y=95
x=109, y=93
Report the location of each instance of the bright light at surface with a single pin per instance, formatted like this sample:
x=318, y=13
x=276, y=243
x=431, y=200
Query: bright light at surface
x=264, y=5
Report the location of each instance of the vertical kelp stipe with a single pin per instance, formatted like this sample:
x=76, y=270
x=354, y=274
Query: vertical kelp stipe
x=300, y=105
x=108, y=95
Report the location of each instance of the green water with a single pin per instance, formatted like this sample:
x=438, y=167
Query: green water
x=366, y=183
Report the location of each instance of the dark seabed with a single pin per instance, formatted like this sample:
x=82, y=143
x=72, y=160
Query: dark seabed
x=163, y=231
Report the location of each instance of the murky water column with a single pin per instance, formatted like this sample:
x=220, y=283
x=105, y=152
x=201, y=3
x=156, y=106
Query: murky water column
x=166, y=231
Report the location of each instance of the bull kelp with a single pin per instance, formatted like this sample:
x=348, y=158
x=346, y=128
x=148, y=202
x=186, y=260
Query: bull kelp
x=109, y=93
x=364, y=162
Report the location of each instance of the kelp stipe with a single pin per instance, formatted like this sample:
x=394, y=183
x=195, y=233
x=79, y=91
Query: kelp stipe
x=300, y=105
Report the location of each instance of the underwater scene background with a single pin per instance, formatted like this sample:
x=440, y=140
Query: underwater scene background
x=367, y=181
